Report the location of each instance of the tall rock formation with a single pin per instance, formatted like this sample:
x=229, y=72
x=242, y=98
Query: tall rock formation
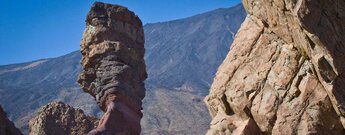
x=285, y=71
x=171, y=109
x=57, y=118
x=6, y=126
x=113, y=66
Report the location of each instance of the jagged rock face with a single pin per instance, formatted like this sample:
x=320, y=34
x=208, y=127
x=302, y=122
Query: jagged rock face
x=113, y=54
x=113, y=61
x=285, y=71
x=57, y=118
x=6, y=126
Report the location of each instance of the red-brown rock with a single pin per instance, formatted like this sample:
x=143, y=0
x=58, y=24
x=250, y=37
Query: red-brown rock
x=284, y=72
x=57, y=118
x=113, y=67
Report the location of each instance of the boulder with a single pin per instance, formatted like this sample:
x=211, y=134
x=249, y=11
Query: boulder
x=57, y=118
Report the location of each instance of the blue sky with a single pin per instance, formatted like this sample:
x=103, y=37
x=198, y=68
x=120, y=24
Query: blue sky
x=36, y=29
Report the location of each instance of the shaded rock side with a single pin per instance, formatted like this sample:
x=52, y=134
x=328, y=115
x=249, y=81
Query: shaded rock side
x=284, y=73
x=6, y=126
x=113, y=63
x=57, y=118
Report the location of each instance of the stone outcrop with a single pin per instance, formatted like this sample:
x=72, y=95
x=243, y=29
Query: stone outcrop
x=6, y=126
x=285, y=71
x=113, y=66
x=57, y=118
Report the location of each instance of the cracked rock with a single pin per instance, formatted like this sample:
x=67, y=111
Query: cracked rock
x=285, y=71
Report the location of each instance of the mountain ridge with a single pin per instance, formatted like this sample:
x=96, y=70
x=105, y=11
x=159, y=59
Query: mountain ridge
x=55, y=78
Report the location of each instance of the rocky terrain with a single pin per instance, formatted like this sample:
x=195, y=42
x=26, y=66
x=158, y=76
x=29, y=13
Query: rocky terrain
x=57, y=118
x=174, y=107
x=285, y=71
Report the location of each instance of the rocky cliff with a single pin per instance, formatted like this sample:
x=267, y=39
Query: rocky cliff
x=284, y=73
x=114, y=69
x=6, y=126
x=57, y=118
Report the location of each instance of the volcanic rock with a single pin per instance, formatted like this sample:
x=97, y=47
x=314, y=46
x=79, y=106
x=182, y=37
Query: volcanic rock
x=285, y=71
x=57, y=118
x=168, y=109
x=113, y=63
x=6, y=126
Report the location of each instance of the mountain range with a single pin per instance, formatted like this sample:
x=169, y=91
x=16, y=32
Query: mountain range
x=182, y=57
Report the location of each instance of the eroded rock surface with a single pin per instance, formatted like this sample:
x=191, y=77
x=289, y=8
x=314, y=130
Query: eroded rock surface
x=57, y=118
x=6, y=126
x=113, y=66
x=285, y=71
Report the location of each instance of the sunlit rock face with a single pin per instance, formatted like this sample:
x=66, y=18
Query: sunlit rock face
x=57, y=118
x=113, y=62
x=285, y=71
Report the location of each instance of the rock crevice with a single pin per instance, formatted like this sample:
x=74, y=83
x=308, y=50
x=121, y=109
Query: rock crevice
x=284, y=72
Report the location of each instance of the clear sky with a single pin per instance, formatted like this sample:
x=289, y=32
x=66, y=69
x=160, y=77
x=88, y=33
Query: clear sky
x=36, y=29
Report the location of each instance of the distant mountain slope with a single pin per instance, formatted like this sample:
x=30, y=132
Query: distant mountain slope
x=26, y=87
x=187, y=52
x=182, y=57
